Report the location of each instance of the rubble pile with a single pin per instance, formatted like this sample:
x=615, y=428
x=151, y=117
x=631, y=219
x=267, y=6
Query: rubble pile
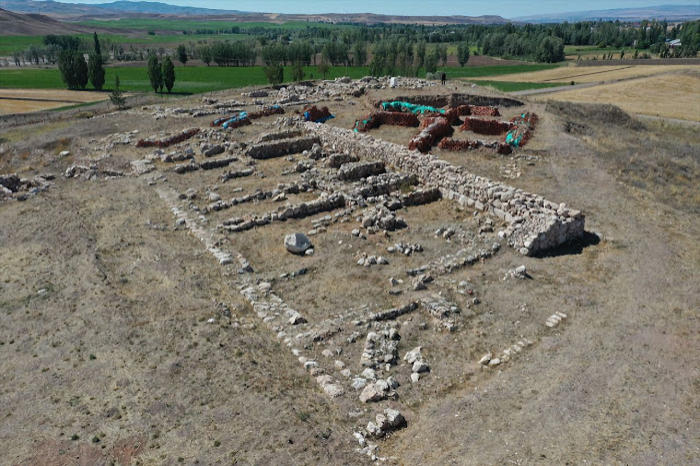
x=12, y=186
x=380, y=217
x=381, y=347
x=386, y=423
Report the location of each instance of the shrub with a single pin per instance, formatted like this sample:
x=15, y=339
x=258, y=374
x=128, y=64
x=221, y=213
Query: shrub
x=274, y=73
x=297, y=72
x=117, y=97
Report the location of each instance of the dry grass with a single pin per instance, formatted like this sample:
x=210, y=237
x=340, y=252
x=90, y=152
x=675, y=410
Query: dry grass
x=589, y=74
x=666, y=96
x=32, y=100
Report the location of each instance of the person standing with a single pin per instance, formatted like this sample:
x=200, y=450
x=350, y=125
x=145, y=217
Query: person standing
x=444, y=77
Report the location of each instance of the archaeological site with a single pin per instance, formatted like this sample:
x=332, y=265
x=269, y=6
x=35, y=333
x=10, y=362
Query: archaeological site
x=348, y=271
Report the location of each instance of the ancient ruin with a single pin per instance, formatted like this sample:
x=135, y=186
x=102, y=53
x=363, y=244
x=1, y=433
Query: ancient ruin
x=267, y=193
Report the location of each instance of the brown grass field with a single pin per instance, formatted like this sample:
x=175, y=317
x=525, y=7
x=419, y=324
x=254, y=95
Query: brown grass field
x=670, y=96
x=589, y=74
x=32, y=100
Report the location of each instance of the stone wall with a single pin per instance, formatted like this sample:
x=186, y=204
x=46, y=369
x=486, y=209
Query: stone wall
x=352, y=171
x=282, y=147
x=534, y=223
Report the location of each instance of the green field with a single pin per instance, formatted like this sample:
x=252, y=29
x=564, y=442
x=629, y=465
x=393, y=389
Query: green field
x=508, y=86
x=189, y=80
x=479, y=71
x=150, y=24
x=11, y=44
x=585, y=50
x=198, y=79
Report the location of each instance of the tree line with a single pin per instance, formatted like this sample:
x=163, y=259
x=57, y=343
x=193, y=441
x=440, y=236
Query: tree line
x=355, y=44
x=76, y=71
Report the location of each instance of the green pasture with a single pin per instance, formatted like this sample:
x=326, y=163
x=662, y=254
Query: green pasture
x=189, y=79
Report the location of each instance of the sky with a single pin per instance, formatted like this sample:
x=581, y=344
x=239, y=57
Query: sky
x=505, y=8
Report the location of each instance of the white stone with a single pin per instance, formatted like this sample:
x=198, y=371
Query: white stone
x=395, y=418
x=297, y=243
x=413, y=355
x=369, y=373
x=358, y=383
x=333, y=390
x=420, y=366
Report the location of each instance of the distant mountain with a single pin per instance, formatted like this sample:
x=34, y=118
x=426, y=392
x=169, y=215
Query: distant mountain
x=50, y=8
x=121, y=8
x=669, y=12
x=107, y=9
x=34, y=24
x=163, y=9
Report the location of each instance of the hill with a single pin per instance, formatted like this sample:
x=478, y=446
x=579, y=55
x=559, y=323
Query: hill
x=35, y=24
x=162, y=8
x=55, y=9
x=669, y=12
x=152, y=9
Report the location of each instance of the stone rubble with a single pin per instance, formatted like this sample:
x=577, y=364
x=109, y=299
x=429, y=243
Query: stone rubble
x=381, y=348
x=555, y=319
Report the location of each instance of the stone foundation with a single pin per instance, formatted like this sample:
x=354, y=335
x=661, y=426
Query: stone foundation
x=534, y=223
